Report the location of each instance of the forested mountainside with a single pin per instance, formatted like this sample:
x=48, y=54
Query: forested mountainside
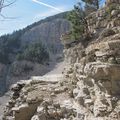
x=26, y=52
x=46, y=31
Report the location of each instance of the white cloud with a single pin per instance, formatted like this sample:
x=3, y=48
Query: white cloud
x=47, y=5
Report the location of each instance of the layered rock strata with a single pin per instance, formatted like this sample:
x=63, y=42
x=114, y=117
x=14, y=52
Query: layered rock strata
x=95, y=69
x=90, y=87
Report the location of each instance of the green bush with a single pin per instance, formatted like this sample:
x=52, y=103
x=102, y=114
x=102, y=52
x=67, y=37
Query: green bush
x=78, y=22
x=34, y=53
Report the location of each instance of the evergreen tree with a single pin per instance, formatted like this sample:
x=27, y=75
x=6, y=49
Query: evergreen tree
x=78, y=21
x=94, y=4
x=35, y=52
x=89, y=9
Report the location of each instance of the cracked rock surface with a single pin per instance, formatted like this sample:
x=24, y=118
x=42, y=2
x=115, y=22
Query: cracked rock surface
x=88, y=89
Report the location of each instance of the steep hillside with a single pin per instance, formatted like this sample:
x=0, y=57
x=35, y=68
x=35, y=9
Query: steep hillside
x=89, y=88
x=48, y=32
x=16, y=59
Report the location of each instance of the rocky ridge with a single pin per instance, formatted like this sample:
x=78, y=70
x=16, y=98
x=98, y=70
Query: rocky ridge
x=90, y=84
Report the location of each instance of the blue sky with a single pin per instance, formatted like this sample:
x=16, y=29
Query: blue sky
x=29, y=11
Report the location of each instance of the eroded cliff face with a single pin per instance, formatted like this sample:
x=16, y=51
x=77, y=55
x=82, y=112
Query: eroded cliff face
x=97, y=76
x=89, y=88
x=95, y=70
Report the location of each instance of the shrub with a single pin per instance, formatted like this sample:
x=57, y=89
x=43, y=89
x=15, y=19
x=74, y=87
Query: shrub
x=20, y=68
x=34, y=53
x=78, y=22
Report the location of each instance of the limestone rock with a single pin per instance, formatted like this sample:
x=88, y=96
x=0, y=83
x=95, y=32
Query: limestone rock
x=90, y=88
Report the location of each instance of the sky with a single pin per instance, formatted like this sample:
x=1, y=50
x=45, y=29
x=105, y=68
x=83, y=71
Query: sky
x=26, y=12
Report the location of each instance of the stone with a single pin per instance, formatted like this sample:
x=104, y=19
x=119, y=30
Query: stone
x=53, y=94
x=80, y=116
x=16, y=109
x=112, y=60
x=100, y=109
x=35, y=117
x=89, y=101
x=40, y=109
x=25, y=112
x=75, y=92
x=56, y=105
x=114, y=13
x=118, y=60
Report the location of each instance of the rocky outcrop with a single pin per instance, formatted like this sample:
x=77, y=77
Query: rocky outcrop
x=90, y=85
x=40, y=98
x=97, y=88
x=96, y=77
x=94, y=71
x=107, y=17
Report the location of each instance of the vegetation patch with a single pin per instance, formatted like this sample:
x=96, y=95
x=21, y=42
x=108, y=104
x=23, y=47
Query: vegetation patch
x=35, y=53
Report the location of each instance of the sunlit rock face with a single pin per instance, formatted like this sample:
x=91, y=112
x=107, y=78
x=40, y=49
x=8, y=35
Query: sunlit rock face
x=95, y=69
x=89, y=88
x=97, y=77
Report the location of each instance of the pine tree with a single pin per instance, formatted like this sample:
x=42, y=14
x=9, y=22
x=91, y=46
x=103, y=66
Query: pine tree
x=78, y=21
x=89, y=9
x=93, y=4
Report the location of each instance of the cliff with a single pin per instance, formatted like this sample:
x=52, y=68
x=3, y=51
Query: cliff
x=90, y=84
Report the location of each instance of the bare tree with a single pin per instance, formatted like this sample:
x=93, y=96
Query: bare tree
x=1, y=4
x=4, y=4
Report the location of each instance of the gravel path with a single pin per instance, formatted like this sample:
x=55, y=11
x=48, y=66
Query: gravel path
x=56, y=72
x=58, y=69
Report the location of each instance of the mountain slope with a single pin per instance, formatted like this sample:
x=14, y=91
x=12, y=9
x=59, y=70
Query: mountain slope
x=46, y=32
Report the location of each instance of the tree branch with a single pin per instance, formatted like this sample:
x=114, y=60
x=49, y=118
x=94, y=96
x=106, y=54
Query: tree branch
x=3, y=6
